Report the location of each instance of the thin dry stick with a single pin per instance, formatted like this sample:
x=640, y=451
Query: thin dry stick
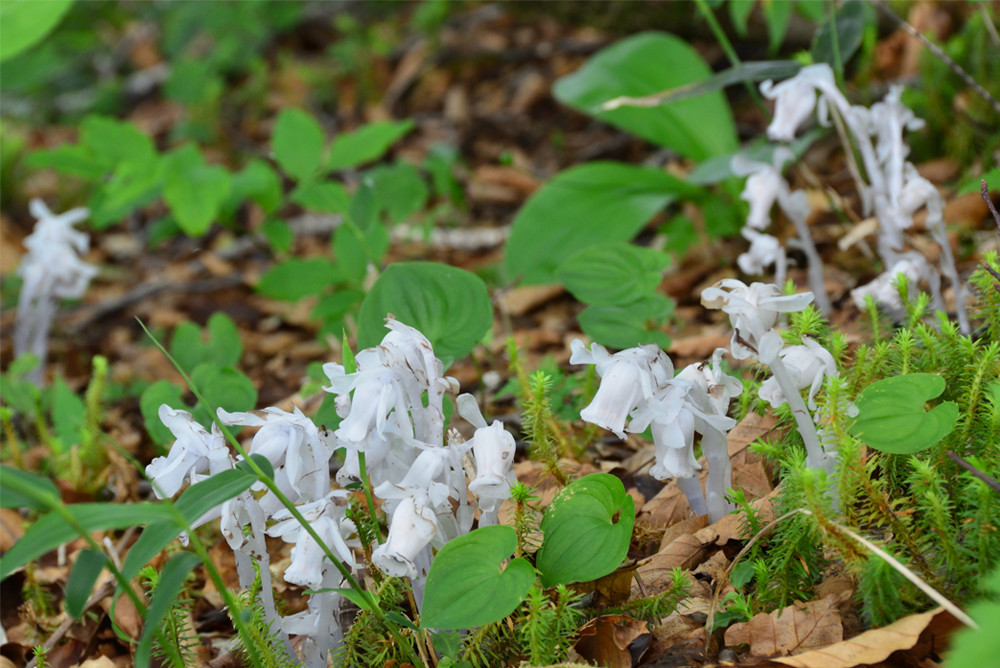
x=941, y=55
x=989, y=480
x=721, y=583
x=934, y=594
x=985, y=192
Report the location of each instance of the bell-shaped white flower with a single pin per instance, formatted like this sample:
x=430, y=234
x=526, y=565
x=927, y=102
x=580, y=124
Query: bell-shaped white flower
x=194, y=452
x=753, y=310
x=719, y=387
x=911, y=264
x=628, y=379
x=764, y=186
x=795, y=100
x=764, y=251
x=493, y=449
x=292, y=443
x=411, y=530
x=327, y=518
x=808, y=365
x=887, y=120
x=50, y=270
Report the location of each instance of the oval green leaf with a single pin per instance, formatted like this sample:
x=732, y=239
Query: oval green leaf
x=294, y=279
x=612, y=274
x=88, y=565
x=582, y=540
x=645, y=64
x=26, y=22
x=638, y=323
x=367, y=143
x=466, y=586
x=892, y=416
x=449, y=305
x=588, y=205
x=298, y=143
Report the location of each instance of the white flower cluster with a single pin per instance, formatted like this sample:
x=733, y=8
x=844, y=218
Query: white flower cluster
x=638, y=384
x=894, y=190
x=51, y=270
x=753, y=311
x=420, y=480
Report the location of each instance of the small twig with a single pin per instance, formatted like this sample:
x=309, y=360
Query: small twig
x=721, y=583
x=984, y=190
x=989, y=480
x=931, y=592
x=990, y=28
x=941, y=55
x=102, y=592
x=82, y=317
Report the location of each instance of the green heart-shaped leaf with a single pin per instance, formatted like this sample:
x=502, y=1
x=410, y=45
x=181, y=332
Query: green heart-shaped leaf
x=892, y=417
x=583, y=541
x=467, y=588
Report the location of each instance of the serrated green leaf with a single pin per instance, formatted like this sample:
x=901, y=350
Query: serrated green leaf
x=892, y=416
x=588, y=205
x=399, y=189
x=367, y=143
x=279, y=234
x=587, y=530
x=449, y=305
x=466, y=586
x=298, y=143
x=612, y=274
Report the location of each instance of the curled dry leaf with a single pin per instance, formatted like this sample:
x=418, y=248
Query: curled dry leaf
x=791, y=630
x=917, y=635
x=616, y=641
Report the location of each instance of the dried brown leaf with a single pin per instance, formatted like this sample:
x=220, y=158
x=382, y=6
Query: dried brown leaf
x=916, y=634
x=615, y=641
x=794, y=629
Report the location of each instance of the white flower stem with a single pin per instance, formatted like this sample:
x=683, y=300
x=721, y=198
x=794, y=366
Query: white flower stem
x=691, y=487
x=803, y=420
x=720, y=473
x=816, y=283
x=940, y=235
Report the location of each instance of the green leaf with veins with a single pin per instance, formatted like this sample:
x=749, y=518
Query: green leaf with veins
x=892, y=414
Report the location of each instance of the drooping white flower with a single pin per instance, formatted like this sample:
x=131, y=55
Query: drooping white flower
x=808, y=365
x=719, y=387
x=753, y=310
x=911, y=264
x=194, y=452
x=764, y=186
x=292, y=443
x=411, y=530
x=51, y=269
x=327, y=517
x=795, y=100
x=493, y=449
x=628, y=379
x=764, y=251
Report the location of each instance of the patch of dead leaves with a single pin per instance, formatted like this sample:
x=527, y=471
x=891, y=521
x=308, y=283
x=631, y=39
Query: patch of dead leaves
x=917, y=636
x=615, y=641
x=792, y=630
